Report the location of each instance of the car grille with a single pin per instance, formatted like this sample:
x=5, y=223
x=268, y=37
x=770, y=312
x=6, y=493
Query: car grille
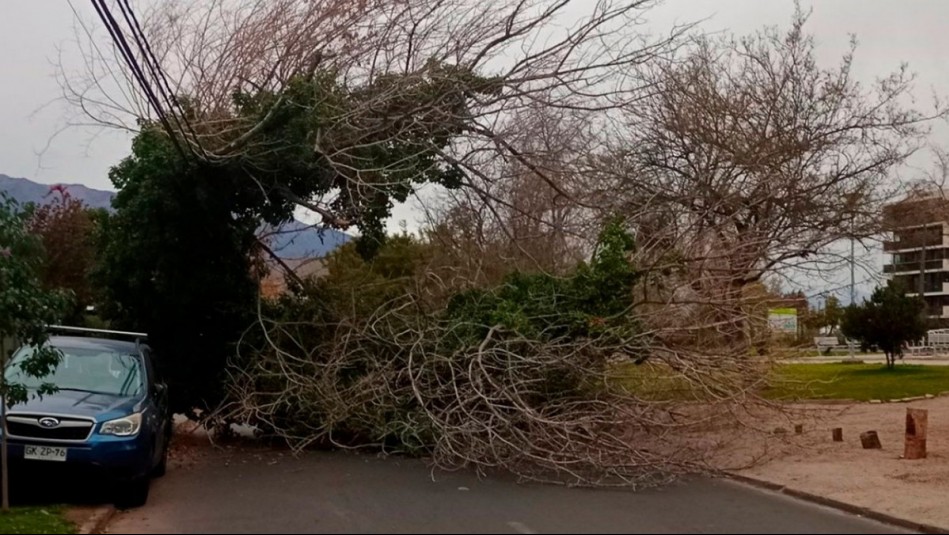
x=28, y=426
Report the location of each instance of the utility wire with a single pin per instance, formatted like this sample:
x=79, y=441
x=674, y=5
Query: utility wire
x=151, y=68
x=121, y=43
x=151, y=61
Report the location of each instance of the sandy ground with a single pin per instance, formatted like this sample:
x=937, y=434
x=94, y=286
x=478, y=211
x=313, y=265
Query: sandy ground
x=878, y=479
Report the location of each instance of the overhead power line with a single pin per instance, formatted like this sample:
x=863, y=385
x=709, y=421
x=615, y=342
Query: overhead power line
x=121, y=43
x=158, y=74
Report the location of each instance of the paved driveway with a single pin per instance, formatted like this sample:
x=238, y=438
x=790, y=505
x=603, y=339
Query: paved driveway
x=240, y=491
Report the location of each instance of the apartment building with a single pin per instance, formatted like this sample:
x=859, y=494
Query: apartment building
x=918, y=246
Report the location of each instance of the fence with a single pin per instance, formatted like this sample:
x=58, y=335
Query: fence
x=938, y=340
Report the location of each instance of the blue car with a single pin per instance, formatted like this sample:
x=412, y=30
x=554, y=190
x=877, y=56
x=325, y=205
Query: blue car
x=109, y=417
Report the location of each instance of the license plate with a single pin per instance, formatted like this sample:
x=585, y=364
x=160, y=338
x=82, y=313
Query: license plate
x=44, y=453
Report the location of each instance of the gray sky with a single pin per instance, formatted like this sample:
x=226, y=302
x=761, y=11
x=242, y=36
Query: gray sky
x=31, y=32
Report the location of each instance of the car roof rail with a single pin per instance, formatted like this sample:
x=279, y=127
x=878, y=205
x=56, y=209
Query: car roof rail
x=139, y=337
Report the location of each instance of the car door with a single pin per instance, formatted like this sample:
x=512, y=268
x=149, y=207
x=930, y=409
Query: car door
x=159, y=421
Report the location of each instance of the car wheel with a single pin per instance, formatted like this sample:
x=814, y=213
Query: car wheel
x=132, y=494
x=162, y=465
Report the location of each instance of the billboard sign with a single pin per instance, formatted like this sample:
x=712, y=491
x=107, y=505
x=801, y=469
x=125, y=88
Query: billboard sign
x=783, y=320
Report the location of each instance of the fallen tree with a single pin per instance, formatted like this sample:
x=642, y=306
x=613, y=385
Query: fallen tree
x=530, y=377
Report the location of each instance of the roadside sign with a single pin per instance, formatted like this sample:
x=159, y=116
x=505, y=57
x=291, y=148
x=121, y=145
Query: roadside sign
x=783, y=320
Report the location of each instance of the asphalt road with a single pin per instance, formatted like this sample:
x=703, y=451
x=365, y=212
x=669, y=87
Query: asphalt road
x=271, y=492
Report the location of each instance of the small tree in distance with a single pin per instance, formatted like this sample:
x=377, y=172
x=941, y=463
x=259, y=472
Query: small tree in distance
x=888, y=321
x=26, y=309
x=66, y=228
x=832, y=314
x=827, y=318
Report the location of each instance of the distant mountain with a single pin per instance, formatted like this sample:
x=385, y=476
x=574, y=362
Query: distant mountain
x=295, y=240
x=299, y=240
x=25, y=191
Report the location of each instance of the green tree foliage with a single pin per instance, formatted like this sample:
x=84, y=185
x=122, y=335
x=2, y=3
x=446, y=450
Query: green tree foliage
x=366, y=145
x=392, y=271
x=337, y=355
x=591, y=302
x=178, y=255
x=833, y=313
x=888, y=321
x=26, y=309
x=176, y=262
x=828, y=317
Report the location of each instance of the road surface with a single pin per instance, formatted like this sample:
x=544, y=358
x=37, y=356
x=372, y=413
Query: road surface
x=260, y=491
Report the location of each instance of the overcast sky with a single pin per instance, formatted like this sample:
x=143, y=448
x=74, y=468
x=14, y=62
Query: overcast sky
x=30, y=32
x=33, y=144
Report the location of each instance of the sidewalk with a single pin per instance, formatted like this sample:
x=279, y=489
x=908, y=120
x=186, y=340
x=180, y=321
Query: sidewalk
x=872, y=358
x=878, y=480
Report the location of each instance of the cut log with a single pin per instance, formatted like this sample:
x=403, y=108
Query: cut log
x=870, y=440
x=916, y=423
x=838, y=433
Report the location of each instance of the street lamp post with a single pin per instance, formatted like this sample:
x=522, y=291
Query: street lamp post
x=852, y=202
x=853, y=294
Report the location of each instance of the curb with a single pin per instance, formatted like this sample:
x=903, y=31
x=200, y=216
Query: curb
x=836, y=504
x=98, y=521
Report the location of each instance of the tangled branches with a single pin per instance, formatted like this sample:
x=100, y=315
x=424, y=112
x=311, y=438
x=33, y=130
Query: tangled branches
x=543, y=377
x=539, y=409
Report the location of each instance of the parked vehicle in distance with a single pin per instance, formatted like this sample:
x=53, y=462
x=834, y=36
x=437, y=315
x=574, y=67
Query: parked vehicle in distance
x=109, y=417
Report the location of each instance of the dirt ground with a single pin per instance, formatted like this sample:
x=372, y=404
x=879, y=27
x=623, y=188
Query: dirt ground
x=81, y=515
x=879, y=479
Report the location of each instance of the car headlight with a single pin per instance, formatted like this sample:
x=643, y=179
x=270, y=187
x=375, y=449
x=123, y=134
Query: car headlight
x=126, y=426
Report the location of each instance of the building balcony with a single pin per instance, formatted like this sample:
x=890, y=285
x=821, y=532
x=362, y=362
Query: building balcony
x=915, y=267
x=932, y=290
x=912, y=244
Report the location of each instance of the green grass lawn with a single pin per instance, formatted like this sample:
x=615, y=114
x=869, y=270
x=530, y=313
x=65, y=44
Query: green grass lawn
x=35, y=520
x=652, y=382
x=655, y=381
x=859, y=382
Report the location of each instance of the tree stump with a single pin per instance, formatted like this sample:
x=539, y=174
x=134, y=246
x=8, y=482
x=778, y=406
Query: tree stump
x=799, y=429
x=916, y=423
x=838, y=433
x=870, y=440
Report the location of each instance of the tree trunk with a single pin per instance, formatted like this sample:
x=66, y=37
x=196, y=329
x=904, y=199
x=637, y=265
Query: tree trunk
x=5, y=476
x=732, y=318
x=916, y=423
x=3, y=451
x=870, y=440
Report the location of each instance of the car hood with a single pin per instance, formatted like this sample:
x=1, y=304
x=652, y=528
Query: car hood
x=72, y=403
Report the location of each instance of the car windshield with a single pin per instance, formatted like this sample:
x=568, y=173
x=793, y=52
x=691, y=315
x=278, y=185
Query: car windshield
x=87, y=370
